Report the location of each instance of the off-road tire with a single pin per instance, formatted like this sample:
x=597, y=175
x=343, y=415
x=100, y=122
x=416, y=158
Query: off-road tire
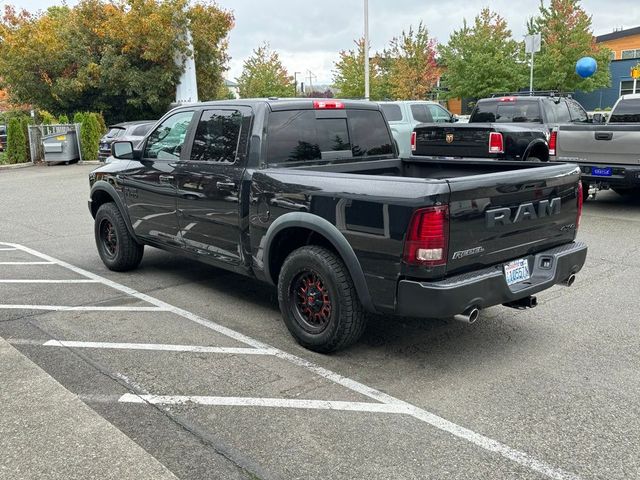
x=347, y=320
x=125, y=254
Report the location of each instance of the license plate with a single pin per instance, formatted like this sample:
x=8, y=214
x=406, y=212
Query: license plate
x=601, y=172
x=516, y=271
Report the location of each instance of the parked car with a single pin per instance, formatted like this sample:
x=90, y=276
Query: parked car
x=506, y=127
x=608, y=154
x=403, y=116
x=3, y=138
x=128, y=131
x=310, y=195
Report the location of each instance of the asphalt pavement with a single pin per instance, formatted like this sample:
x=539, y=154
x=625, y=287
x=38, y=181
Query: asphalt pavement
x=194, y=365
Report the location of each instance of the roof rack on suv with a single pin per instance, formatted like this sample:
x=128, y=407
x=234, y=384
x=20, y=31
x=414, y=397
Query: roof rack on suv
x=541, y=93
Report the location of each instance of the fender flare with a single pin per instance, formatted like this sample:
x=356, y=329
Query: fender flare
x=106, y=187
x=333, y=235
x=534, y=144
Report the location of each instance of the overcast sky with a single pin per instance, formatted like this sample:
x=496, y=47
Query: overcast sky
x=309, y=35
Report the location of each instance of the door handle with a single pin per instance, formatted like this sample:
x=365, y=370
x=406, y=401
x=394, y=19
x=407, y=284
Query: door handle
x=604, y=135
x=226, y=185
x=166, y=178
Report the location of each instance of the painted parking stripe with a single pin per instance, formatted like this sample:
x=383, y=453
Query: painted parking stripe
x=160, y=347
x=425, y=416
x=81, y=308
x=7, y=249
x=79, y=280
x=27, y=263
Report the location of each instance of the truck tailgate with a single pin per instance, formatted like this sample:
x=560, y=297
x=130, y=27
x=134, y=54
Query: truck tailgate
x=606, y=144
x=508, y=215
x=461, y=140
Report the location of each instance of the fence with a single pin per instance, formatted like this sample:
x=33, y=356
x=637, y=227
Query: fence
x=38, y=132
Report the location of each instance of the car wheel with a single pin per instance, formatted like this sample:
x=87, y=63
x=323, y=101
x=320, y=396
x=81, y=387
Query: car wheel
x=318, y=300
x=533, y=159
x=117, y=248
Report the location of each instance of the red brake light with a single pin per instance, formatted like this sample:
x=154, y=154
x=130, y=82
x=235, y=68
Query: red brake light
x=580, y=202
x=327, y=105
x=428, y=237
x=553, y=141
x=496, y=142
x=507, y=99
x=413, y=141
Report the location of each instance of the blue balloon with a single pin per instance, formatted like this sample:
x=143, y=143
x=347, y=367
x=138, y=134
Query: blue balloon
x=586, y=66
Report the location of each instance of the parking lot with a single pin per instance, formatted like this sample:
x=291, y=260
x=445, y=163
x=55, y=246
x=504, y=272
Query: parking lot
x=195, y=365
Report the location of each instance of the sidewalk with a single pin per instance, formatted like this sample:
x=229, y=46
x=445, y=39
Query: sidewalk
x=46, y=432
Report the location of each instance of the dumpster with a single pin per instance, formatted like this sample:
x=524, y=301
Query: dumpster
x=61, y=147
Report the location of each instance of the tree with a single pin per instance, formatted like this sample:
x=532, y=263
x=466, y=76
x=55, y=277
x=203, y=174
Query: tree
x=348, y=74
x=114, y=56
x=483, y=59
x=16, y=142
x=413, y=70
x=89, y=136
x=263, y=75
x=566, y=37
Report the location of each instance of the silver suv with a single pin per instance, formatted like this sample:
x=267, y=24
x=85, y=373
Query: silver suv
x=403, y=116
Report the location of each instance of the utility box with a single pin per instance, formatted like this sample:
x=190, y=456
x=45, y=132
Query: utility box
x=61, y=147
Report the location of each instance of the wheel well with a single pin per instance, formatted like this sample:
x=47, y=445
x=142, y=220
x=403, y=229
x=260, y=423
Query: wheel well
x=99, y=198
x=290, y=239
x=539, y=151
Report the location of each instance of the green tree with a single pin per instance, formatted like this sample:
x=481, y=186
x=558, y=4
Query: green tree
x=46, y=118
x=25, y=121
x=63, y=119
x=483, y=59
x=263, y=75
x=567, y=36
x=90, y=136
x=413, y=70
x=348, y=74
x=16, y=142
x=114, y=56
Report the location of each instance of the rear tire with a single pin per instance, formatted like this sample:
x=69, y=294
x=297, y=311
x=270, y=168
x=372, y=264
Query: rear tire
x=533, y=159
x=318, y=300
x=117, y=248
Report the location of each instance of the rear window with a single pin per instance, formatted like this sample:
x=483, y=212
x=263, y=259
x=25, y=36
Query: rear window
x=627, y=111
x=392, y=112
x=141, y=130
x=518, y=111
x=115, y=132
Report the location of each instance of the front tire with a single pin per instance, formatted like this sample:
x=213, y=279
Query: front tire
x=318, y=300
x=117, y=248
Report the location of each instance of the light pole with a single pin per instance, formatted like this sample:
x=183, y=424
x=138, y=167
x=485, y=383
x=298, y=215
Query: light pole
x=295, y=83
x=366, y=49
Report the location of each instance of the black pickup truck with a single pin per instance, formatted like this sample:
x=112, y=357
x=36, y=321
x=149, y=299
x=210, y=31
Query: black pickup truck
x=309, y=195
x=506, y=127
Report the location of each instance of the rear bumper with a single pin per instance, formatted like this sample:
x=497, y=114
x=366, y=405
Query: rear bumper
x=488, y=287
x=622, y=175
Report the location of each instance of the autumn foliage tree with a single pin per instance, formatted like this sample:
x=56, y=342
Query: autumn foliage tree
x=482, y=59
x=114, y=56
x=263, y=75
x=348, y=74
x=567, y=36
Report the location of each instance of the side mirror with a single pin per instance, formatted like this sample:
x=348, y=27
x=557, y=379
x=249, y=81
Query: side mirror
x=122, y=150
x=454, y=118
x=597, y=118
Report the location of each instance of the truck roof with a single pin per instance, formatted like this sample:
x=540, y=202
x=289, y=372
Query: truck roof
x=289, y=103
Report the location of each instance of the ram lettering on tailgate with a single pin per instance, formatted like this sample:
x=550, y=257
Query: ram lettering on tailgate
x=525, y=211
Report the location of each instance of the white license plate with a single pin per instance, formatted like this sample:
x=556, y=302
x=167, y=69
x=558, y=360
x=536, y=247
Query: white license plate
x=516, y=271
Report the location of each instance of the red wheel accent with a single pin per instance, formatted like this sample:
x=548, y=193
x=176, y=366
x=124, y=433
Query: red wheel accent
x=312, y=300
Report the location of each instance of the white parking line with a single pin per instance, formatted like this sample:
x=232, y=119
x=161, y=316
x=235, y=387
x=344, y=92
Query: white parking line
x=262, y=402
x=8, y=249
x=80, y=280
x=391, y=402
x=81, y=308
x=27, y=263
x=160, y=347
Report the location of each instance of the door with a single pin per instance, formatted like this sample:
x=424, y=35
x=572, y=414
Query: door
x=150, y=184
x=209, y=184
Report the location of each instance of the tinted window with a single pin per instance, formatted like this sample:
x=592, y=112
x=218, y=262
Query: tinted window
x=518, y=112
x=483, y=113
x=165, y=143
x=370, y=136
x=439, y=114
x=294, y=136
x=421, y=114
x=627, y=111
x=216, y=138
x=141, y=130
x=578, y=115
x=392, y=112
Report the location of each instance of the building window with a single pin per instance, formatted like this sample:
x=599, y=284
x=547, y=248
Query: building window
x=626, y=87
x=612, y=56
x=626, y=54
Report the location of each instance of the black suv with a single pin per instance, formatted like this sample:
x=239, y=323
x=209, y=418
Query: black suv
x=504, y=127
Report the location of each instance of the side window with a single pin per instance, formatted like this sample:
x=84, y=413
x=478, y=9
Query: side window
x=562, y=112
x=392, y=112
x=439, y=114
x=216, y=138
x=578, y=115
x=370, y=136
x=420, y=113
x=484, y=113
x=166, y=141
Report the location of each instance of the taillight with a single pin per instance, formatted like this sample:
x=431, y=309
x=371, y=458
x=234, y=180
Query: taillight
x=428, y=237
x=413, y=141
x=496, y=142
x=553, y=141
x=327, y=105
x=580, y=202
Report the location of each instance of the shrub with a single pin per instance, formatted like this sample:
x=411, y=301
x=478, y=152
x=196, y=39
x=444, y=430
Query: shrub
x=16, y=142
x=78, y=117
x=89, y=136
x=46, y=118
x=63, y=119
x=101, y=123
x=25, y=121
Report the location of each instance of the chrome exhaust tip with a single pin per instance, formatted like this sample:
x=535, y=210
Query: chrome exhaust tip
x=469, y=316
x=570, y=280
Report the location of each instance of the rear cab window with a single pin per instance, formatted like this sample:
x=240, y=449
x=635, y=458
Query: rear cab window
x=302, y=136
x=516, y=110
x=627, y=111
